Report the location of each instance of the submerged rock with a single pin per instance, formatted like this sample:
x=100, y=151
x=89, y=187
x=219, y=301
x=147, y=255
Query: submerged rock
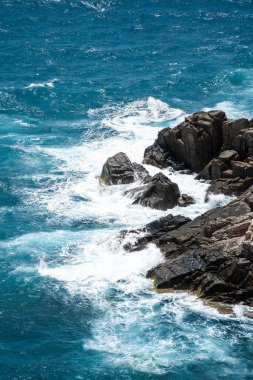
x=120, y=170
x=160, y=193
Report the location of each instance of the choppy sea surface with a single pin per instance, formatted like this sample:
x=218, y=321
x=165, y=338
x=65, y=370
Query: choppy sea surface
x=81, y=81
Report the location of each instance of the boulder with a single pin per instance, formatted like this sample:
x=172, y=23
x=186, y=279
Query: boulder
x=160, y=193
x=228, y=174
x=119, y=170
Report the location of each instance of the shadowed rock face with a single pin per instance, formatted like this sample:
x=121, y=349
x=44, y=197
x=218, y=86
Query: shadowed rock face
x=194, y=142
x=220, y=150
x=119, y=170
x=211, y=255
x=160, y=193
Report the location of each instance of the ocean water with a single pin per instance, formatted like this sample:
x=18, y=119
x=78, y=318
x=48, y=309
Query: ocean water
x=81, y=81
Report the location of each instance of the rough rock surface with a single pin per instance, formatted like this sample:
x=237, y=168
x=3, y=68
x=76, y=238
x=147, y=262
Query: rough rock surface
x=157, y=156
x=211, y=255
x=195, y=141
x=219, y=149
x=228, y=174
x=185, y=200
x=120, y=170
x=153, y=231
x=160, y=193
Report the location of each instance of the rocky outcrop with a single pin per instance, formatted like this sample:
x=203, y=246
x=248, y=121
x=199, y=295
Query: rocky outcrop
x=228, y=174
x=119, y=170
x=153, y=231
x=157, y=156
x=238, y=135
x=211, y=255
x=160, y=193
x=194, y=142
x=219, y=149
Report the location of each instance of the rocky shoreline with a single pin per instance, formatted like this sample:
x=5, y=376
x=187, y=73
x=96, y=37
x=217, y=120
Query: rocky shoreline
x=211, y=255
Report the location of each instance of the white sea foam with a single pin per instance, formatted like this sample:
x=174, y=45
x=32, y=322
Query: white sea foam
x=21, y=123
x=136, y=324
x=137, y=125
x=48, y=84
x=101, y=266
x=98, y=6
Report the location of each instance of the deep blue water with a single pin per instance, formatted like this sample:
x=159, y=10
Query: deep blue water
x=79, y=81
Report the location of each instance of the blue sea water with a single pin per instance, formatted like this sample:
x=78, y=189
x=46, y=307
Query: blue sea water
x=80, y=81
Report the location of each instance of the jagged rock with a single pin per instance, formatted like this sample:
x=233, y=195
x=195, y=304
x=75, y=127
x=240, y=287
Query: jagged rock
x=185, y=200
x=242, y=169
x=228, y=174
x=246, y=147
x=195, y=141
x=232, y=131
x=120, y=170
x=220, y=150
x=160, y=193
x=213, y=170
x=211, y=255
x=238, y=135
x=155, y=155
x=228, y=155
x=140, y=173
x=230, y=184
x=153, y=231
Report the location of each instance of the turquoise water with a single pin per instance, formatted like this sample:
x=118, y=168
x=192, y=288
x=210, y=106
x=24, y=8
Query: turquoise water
x=79, y=81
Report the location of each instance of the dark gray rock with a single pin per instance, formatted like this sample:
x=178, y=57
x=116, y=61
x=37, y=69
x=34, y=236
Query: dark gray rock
x=213, y=170
x=153, y=231
x=195, y=141
x=160, y=193
x=185, y=200
x=120, y=170
x=156, y=156
x=246, y=146
x=211, y=255
x=228, y=174
x=232, y=131
x=228, y=155
x=229, y=184
x=242, y=169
